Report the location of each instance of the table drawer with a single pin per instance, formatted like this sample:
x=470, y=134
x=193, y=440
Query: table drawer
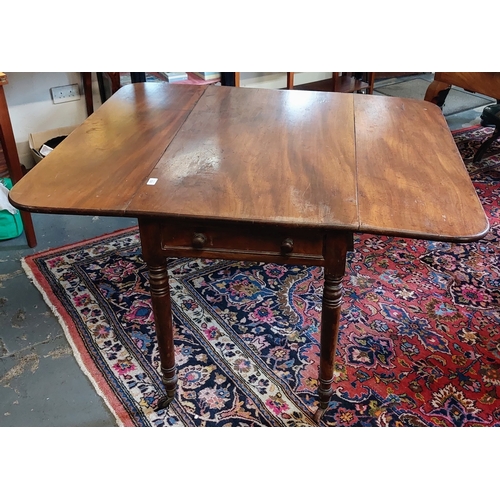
x=252, y=240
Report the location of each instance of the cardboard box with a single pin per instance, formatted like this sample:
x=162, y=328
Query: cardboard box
x=36, y=140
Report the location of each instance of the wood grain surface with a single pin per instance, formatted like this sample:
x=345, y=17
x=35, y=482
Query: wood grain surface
x=264, y=155
x=99, y=166
x=257, y=156
x=411, y=178
x=481, y=82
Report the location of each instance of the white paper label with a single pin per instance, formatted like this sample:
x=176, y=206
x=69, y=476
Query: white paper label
x=45, y=150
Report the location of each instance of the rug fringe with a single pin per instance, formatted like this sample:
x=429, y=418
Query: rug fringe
x=64, y=326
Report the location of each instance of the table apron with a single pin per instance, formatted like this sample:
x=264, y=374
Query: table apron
x=278, y=244
x=228, y=254
x=288, y=245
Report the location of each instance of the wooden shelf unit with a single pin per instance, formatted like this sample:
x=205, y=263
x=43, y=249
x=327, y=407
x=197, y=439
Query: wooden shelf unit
x=9, y=148
x=348, y=83
x=340, y=82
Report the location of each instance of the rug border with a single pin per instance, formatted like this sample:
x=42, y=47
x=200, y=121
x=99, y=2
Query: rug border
x=84, y=360
x=465, y=129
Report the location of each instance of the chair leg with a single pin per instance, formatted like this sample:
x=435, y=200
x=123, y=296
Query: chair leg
x=485, y=145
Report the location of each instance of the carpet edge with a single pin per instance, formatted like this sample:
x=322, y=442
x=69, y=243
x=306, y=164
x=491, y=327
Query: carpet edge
x=465, y=129
x=90, y=240
x=53, y=308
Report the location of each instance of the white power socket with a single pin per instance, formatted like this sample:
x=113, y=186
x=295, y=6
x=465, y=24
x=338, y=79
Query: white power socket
x=65, y=93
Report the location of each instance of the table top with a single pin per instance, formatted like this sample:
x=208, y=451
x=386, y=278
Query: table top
x=307, y=159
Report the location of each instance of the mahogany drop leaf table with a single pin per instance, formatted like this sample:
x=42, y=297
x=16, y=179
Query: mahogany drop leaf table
x=259, y=175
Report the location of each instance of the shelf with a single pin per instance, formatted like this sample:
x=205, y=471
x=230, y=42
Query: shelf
x=349, y=84
x=339, y=83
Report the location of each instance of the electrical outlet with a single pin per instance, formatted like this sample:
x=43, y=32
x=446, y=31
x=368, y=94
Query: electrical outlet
x=65, y=93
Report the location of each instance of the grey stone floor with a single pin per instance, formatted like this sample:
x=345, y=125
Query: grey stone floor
x=41, y=383
x=456, y=121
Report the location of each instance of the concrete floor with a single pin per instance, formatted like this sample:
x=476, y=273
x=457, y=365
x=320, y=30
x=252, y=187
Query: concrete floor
x=40, y=382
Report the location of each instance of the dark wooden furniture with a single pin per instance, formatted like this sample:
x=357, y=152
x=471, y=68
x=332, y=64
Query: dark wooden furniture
x=482, y=83
x=11, y=155
x=490, y=117
x=259, y=175
x=478, y=156
x=340, y=82
x=114, y=84
x=4, y=169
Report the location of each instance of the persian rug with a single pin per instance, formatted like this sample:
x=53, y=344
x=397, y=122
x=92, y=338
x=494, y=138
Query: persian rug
x=458, y=100
x=419, y=337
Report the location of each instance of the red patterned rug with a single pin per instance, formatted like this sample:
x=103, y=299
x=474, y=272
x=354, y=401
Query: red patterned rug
x=419, y=337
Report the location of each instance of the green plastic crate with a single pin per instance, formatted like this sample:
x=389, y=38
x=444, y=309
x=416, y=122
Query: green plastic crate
x=11, y=225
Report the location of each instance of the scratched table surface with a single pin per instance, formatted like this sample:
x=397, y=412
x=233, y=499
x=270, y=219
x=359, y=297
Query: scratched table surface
x=354, y=162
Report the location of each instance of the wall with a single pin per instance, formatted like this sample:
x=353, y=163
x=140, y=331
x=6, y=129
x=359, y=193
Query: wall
x=32, y=110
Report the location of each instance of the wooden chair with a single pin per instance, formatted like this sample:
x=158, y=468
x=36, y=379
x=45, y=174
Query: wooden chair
x=482, y=83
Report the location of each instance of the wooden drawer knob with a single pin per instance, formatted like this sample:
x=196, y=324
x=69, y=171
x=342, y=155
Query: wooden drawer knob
x=287, y=245
x=199, y=240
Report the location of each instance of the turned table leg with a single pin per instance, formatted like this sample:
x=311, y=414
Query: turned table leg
x=160, y=298
x=335, y=253
x=330, y=319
